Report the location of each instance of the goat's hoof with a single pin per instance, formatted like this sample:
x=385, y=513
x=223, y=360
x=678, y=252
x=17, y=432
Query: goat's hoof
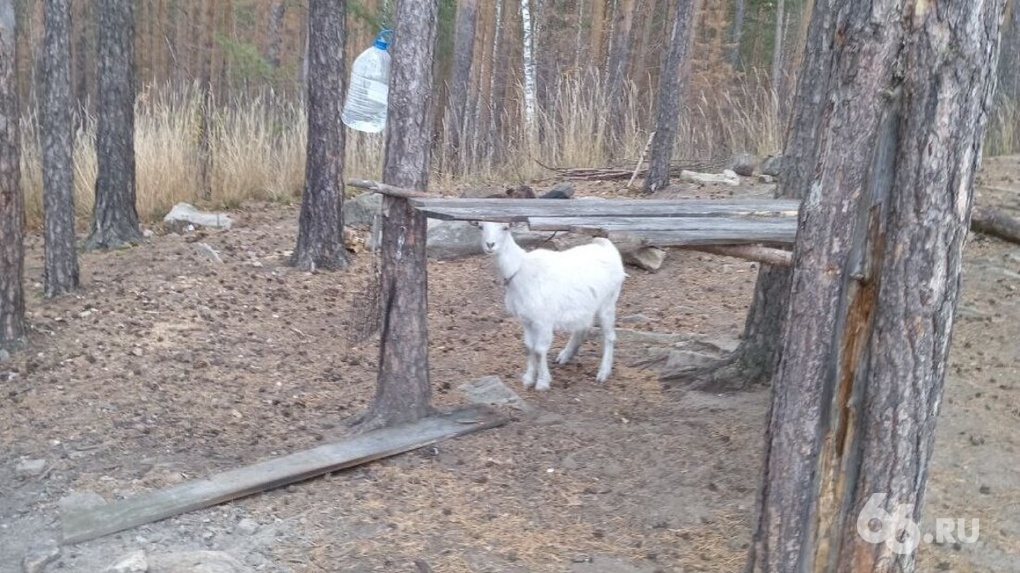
x=563, y=358
x=527, y=381
x=542, y=386
x=602, y=377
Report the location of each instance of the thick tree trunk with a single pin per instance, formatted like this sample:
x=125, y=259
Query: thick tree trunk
x=115, y=220
x=403, y=390
x=60, y=273
x=320, y=243
x=12, y=212
x=876, y=280
x=670, y=98
x=463, y=53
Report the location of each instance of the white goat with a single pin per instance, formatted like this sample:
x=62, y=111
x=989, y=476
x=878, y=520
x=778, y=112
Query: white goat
x=558, y=291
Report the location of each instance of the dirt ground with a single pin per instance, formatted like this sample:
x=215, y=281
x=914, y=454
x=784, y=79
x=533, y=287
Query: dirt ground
x=168, y=367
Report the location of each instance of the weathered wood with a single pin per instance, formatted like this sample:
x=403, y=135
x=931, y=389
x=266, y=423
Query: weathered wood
x=384, y=189
x=698, y=237
x=519, y=210
x=145, y=508
x=638, y=224
x=995, y=223
x=767, y=255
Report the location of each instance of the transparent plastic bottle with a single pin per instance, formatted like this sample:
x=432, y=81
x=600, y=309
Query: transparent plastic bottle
x=365, y=105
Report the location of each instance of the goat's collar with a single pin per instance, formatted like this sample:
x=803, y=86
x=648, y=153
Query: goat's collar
x=506, y=281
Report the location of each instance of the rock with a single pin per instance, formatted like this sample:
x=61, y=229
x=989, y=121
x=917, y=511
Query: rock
x=134, y=562
x=184, y=214
x=148, y=233
x=208, y=252
x=772, y=165
x=246, y=526
x=727, y=177
x=37, y=558
x=491, y=390
x=80, y=501
x=196, y=562
x=766, y=179
x=647, y=258
x=563, y=189
x=361, y=210
x=4, y=355
x=743, y=164
x=29, y=468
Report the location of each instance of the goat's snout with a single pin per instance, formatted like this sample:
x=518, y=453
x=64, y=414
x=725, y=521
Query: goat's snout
x=489, y=245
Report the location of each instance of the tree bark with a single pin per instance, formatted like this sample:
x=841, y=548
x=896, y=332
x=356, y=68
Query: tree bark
x=777, y=60
x=876, y=281
x=1009, y=57
x=736, y=32
x=12, y=212
x=60, y=273
x=320, y=243
x=669, y=100
x=617, y=76
x=114, y=219
x=463, y=53
x=996, y=224
x=403, y=389
x=528, y=58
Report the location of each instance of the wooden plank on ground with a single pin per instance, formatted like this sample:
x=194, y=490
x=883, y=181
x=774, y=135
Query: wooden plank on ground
x=145, y=508
x=766, y=236
x=521, y=209
x=609, y=224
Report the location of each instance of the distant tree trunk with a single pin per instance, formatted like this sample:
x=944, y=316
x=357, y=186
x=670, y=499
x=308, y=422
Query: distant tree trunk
x=12, y=211
x=276, y=13
x=404, y=391
x=115, y=220
x=777, y=61
x=208, y=30
x=876, y=281
x=529, y=71
x=320, y=243
x=754, y=362
x=1009, y=57
x=463, y=52
x=497, y=87
x=81, y=62
x=736, y=32
x=670, y=98
x=60, y=273
x=617, y=77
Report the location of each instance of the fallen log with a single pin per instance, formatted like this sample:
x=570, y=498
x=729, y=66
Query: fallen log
x=995, y=223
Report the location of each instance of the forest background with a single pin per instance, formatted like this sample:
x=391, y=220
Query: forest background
x=220, y=87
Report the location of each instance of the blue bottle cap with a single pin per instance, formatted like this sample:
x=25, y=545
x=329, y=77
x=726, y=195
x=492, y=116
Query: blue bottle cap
x=380, y=41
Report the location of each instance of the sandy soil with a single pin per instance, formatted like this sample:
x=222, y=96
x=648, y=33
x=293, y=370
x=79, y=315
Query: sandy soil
x=168, y=367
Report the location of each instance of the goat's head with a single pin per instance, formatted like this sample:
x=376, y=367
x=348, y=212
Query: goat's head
x=494, y=235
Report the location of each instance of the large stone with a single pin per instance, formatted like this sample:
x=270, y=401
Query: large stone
x=134, y=562
x=184, y=214
x=38, y=557
x=29, y=468
x=361, y=210
x=647, y=258
x=772, y=165
x=562, y=190
x=743, y=164
x=196, y=562
x=491, y=390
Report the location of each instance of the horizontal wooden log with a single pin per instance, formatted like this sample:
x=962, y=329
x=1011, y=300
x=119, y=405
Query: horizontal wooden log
x=384, y=189
x=635, y=224
x=117, y=516
x=512, y=210
x=757, y=253
x=995, y=223
x=743, y=236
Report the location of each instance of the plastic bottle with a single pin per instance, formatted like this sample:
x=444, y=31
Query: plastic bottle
x=365, y=105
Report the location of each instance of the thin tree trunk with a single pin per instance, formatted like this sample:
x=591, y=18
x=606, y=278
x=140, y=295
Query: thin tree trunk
x=81, y=62
x=463, y=53
x=670, y=97
x=736, y=32
x=403, y=390
x=12, y=211
x=876, y=279
x=616, y=79
x=1009, y=58
x=529, y=72
x=497, y=88
x=60, y=273
x=276, y=13
x=777, y=60
x=320, y=243
x=205, y=110
x=115, y=220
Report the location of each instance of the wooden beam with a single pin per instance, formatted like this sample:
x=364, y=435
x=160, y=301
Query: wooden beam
x=145, y=508
x=512, y=210
x=384, y=189
x=757, y=253
x=638, y=224
x=698, y=237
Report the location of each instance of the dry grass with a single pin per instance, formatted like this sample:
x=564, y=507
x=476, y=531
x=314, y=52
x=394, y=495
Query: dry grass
x=1002, y=135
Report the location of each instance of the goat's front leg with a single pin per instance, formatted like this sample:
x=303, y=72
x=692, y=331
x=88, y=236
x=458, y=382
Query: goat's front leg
x=528, y=378
x=543, y=340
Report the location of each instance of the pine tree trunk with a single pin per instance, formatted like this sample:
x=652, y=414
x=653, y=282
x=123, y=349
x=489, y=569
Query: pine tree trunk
x=463, y=53
x=115, y=220
x=1009, y=58
x=529, y=72
x=275, y=33
x=12, y=212
x=320, y=243
x=669, y=99
x=736, y=32
x=876, y=280
x=617, y=77
x=403, y=389
x=60, y=273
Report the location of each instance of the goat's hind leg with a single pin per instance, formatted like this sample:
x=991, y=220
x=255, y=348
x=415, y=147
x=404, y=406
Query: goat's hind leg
x=570, y=350
x=528, y=378
x=543, y=340
x=607, y=321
